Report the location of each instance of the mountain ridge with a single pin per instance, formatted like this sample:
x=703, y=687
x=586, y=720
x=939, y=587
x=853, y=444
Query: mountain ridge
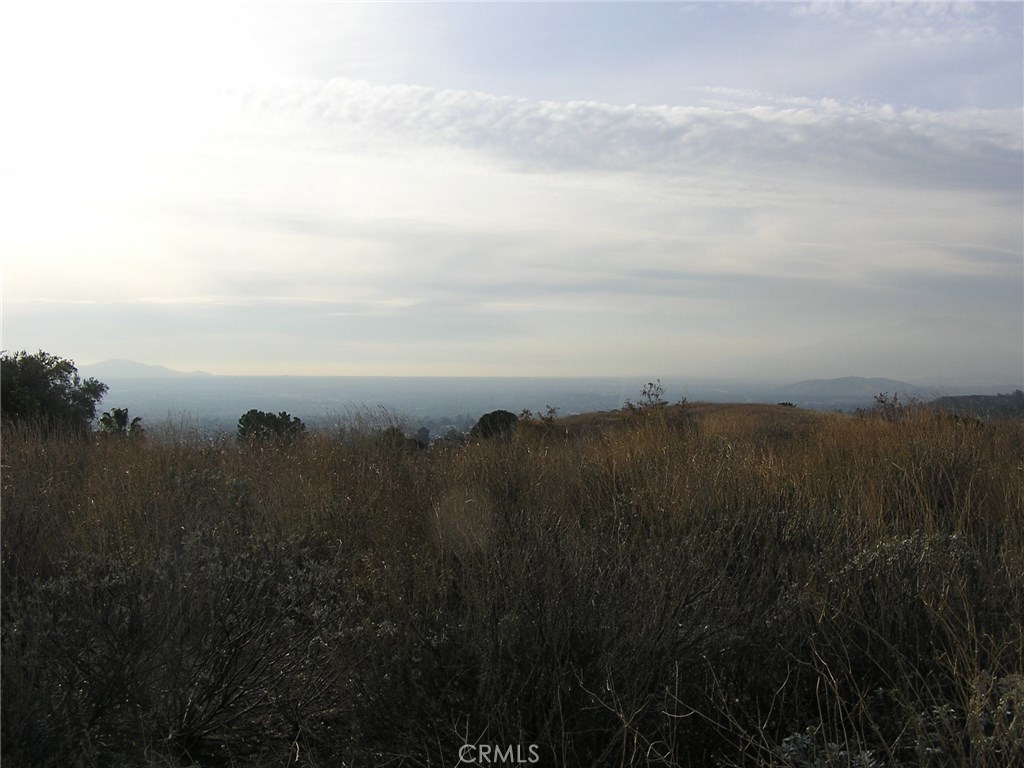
x=120, y=368
x=843, y=386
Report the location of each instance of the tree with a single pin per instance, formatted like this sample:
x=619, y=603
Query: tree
x=115, y=423
x=47, y=390
x=394, y=438
x=494, y=423
x=653, y=395
x=258, y=425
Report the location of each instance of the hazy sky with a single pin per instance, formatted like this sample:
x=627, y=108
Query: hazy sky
x=773, y=189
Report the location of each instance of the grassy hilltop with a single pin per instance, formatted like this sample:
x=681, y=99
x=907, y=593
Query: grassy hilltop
x=699, y=585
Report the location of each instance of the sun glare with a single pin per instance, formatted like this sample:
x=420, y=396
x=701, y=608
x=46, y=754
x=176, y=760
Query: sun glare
x=110, y=97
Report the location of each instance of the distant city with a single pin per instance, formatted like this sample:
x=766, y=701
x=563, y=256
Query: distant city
x=214, y=403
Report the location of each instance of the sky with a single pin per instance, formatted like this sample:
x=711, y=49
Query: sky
x=770, y=190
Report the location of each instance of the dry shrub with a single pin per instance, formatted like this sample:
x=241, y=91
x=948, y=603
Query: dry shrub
x=679, y=586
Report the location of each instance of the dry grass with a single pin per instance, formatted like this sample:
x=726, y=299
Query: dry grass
x=704, y=585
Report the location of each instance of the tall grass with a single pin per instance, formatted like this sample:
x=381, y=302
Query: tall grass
x=698, y=586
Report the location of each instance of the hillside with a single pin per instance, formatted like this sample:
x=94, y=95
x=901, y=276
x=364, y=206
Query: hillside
x=845, y=388
x=739, y=417
x=982, y=406
x=711, y=585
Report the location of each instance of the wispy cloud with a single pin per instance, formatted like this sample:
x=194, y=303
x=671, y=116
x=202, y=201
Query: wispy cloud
x=862, y=179
x=857, y=143
x=915, y=23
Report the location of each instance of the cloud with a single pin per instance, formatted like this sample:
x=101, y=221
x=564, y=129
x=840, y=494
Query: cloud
x=913, y=23
x=812, y=211
x=860, y=143
x=373, y=225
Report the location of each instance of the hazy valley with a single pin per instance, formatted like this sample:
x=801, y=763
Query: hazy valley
x=160, y=394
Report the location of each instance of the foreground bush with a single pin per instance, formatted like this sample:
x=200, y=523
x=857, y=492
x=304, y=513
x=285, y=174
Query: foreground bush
x=699, y=586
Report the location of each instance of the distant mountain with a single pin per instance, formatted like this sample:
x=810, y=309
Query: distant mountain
x=130, y=369
x=846, y=388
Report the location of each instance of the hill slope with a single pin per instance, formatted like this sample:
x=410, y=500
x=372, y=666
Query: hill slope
x=846, y=387
x=982, y=406
x=131, y=369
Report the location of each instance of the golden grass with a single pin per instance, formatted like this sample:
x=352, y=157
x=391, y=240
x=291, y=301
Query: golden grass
x=689, y=585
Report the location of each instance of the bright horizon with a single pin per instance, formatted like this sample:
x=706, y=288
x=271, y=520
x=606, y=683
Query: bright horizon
x=770, y=191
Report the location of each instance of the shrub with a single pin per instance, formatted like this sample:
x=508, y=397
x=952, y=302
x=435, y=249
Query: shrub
x=257, y=425
x=115, y=423
x=710, y=586
x=205, y=653
x=494, y=424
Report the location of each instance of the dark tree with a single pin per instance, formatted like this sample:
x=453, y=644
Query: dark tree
x=258, y=425
x=494, y=423
x=46, y=389
x=394, y=438
x=115, y=423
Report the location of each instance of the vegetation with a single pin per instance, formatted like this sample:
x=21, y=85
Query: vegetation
x=1009, y=405
x=494, y=424
x=651, y=396
x=47, y=390
x=665, y=586
x=116, y=423
x=260, y=426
